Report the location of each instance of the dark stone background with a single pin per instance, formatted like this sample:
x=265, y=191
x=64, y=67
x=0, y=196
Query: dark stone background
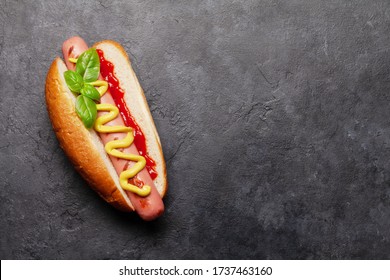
x=274, y=118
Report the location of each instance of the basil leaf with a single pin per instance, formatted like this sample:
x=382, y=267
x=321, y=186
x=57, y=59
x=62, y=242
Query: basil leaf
x=88, y=65
x=90, y=91
x=73, y=80
x=86, y=109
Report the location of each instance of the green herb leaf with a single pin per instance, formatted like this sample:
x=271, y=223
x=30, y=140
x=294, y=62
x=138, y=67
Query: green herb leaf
x=88, y=65
x=86, y=109
x=90, y=91
x=73, y=80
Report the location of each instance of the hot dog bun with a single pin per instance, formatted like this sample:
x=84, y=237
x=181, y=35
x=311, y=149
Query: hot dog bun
x=83, y=146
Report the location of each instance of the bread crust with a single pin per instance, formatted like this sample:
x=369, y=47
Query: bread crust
x=155, y=143
x=77, y=141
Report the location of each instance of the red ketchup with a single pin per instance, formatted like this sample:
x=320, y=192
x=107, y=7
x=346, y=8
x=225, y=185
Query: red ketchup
x=107, y=71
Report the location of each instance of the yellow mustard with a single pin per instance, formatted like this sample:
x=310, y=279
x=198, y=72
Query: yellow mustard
x=112, y=146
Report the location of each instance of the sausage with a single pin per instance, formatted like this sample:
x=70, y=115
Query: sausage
x=151, y=206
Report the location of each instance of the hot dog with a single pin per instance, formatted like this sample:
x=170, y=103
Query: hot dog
x=93, y=150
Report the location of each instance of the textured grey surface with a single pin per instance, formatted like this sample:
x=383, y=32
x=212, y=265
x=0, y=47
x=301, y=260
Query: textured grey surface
x=274, y=118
